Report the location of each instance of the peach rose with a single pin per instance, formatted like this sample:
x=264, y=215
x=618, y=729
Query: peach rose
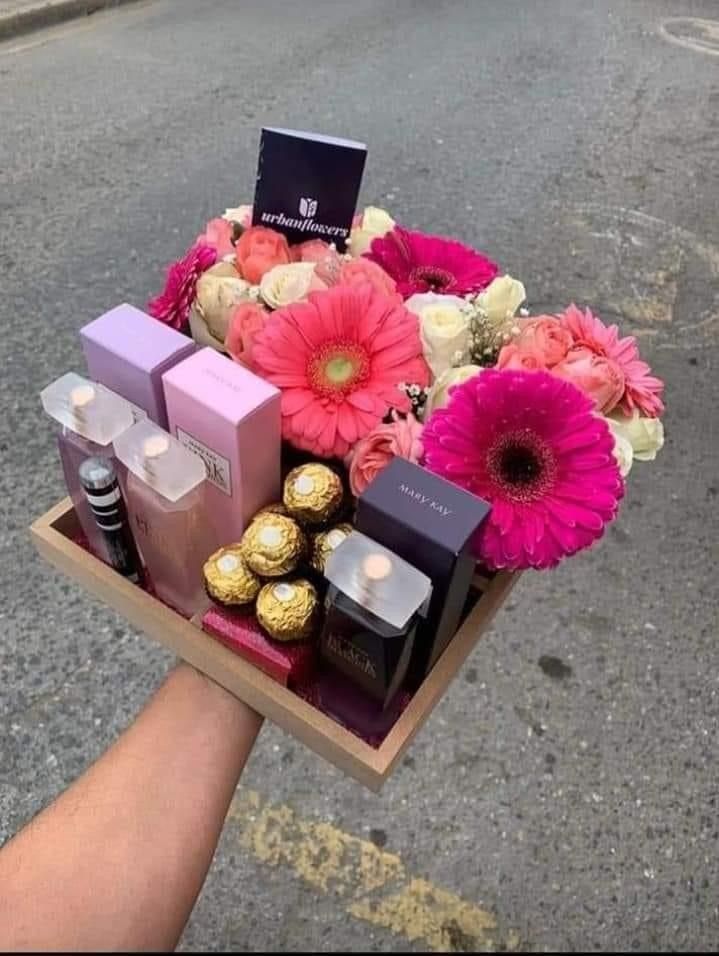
x=545, y=336
x=258, y=250
x=245, y=322
x=526, y=359
x=398, y=439
x=598, y=377
x=325, y=257
x=360, y=271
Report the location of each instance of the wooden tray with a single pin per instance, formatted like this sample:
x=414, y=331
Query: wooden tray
x=53, y=535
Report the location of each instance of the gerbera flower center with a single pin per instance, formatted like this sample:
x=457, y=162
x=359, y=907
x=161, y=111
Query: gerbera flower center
x=338, y=368
x=522, y=464
x=433, y=277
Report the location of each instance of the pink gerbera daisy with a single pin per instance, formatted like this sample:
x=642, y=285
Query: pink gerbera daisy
x=172, y=305
x=642, y=389
x=338, y=359
x=421, y=263
x=528, y=443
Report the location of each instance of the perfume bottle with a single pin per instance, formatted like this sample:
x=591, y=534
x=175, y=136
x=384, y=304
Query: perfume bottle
x=372, y=607
x=165, y=493
x=91, y=418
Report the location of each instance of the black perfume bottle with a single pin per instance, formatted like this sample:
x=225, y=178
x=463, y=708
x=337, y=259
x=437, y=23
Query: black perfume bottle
x=372, y=607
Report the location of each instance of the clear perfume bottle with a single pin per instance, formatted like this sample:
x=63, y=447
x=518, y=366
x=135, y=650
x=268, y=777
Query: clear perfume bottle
x=165, y=492
x=372, y=608
x=91, y=417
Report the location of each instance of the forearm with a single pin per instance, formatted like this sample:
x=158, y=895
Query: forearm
x=118, y=860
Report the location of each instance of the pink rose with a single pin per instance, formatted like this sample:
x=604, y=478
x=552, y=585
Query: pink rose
x=245, y=322
x=398, y=439
x=360, y=271
x=526, y=359
x=599, y=377
x=546, y=336
x=218, y=234
x=327, y=261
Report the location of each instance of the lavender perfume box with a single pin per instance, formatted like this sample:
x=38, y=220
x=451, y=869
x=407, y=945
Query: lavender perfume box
x=307, y=185
x=429, y=522
x=231, y=419
x=128, y=352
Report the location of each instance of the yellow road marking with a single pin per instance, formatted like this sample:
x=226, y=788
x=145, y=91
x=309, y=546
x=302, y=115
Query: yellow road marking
x=372, y=884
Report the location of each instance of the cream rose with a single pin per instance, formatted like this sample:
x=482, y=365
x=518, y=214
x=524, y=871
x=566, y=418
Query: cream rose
x=645, y=435
x=501, y=299
x=219, y=291
x=373, y=223
x=623, y=452
x=285, y=284
x=444, y=327
x=241, y=214
x=438, y=395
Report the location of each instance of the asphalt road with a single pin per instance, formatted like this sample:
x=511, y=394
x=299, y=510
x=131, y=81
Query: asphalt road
x=563, y=804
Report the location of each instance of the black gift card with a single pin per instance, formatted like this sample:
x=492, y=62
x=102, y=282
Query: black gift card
x=307, y=185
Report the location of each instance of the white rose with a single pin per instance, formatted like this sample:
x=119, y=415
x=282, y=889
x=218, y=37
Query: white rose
x=438, y=395
x=285, y=284
x=219, y=291
x=444, y=326
x=241, y=214
x=623, y=452
x=375, y=222
x=645, y=435
x=501, y=299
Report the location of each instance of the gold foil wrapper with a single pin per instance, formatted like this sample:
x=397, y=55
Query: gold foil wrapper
x=273, y=545
x=228, y=579
x=288, y=610
x=275, y=508
x=324, y=543
x=313, y=493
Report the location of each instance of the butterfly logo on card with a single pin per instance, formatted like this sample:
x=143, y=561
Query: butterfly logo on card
x=308, y=207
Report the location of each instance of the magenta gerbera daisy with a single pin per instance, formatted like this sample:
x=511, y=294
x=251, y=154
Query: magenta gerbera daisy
x=338, y=360
x=172, y=305
x=422, y=263
x=528, y=443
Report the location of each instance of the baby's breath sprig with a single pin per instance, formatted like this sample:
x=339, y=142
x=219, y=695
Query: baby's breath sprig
x=486, y=337
x=417, y=395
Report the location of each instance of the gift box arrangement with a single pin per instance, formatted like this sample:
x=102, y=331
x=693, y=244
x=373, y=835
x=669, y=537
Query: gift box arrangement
x=316, y=463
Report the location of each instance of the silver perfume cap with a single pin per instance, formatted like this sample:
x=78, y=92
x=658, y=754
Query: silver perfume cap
x=96, y=474
x=378, y=579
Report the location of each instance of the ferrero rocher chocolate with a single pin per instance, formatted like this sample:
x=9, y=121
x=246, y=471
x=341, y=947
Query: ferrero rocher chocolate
x=288, y=609
x=272, y=545
x=275, y=508
x=312, y=493
x=324, y=543
x=228, y=579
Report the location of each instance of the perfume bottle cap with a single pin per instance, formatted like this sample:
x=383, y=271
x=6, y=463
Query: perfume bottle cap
x=89, y=409
x=160, y=460
x=378, y=580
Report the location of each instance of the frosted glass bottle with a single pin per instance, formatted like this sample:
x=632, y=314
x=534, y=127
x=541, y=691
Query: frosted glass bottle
x=165, y=493
x=91, y=418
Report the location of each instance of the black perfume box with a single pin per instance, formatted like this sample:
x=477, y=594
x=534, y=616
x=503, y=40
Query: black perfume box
x=430, y=523
x=307, y=185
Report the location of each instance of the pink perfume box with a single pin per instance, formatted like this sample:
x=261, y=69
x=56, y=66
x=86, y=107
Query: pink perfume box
x=128, y=351
x=231, y=418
